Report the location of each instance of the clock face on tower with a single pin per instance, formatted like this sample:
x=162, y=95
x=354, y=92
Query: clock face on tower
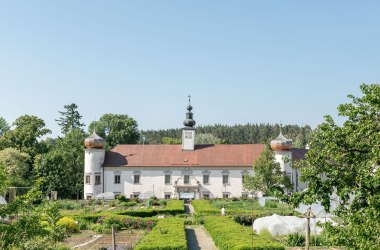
x=188, y=135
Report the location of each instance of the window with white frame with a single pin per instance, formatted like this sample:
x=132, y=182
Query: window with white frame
x=88, y=179
x=167, y=196
x=186, y=179
x=206, y=179
x=225, y=179
x=97, y=180
x=226, y=195
x=244, y=195
x=167, y=179
x=136, y=179
x=117, y=179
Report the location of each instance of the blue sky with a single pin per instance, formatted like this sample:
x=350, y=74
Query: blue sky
x=242, y=61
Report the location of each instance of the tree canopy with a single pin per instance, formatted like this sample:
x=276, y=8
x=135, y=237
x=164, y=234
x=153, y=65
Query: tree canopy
x=15, y=166
x=4, y=126
x=116, y=129
x=345, y=159
x=267, y=177
x=236, y=134
x=70, y=118
x=24, y=137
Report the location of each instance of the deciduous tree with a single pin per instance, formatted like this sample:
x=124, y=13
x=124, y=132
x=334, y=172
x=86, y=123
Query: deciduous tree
x=15, y=164
x=345, y=159
x=207, y=138
x=26, y=134
x=267, y=177
x=116, y=129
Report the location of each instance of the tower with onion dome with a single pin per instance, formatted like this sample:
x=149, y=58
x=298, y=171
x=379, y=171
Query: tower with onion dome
x=188, y=132
x=282, y=148
x=93, y=161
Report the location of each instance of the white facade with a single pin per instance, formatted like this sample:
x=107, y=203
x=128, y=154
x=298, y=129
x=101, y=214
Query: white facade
x=93, y=172
x=176, y=183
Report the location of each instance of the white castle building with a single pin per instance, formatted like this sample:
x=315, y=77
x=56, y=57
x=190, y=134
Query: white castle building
x=186, y=171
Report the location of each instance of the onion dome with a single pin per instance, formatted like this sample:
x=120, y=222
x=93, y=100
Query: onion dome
x=189, y=122
x=94, y=141
x=281, y=143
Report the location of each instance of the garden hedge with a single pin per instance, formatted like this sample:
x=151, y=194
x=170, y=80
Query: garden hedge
x=168, y=234
x=172, y=208
x=204, y=207
x=227, y=234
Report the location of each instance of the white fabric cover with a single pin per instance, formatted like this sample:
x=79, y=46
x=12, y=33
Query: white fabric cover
x=105, y=196
x=2, y=200
x=284, y=225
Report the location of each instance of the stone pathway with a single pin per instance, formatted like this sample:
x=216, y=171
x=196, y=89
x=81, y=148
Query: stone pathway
x=197, y=236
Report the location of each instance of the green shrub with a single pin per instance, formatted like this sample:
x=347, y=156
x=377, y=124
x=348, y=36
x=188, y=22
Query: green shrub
x=168, y=234
x=129, y=204
x=204, y=207
x=173, y=207
x=295, y=240
x=69, y=204
x=122, y=198
x=138, y=223
x=245, y=220
x=163, y=203
x=228, y=234
x=271, y=204
x=69, y=224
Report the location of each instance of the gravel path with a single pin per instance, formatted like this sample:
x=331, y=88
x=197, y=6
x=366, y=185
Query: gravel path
x=197, y=236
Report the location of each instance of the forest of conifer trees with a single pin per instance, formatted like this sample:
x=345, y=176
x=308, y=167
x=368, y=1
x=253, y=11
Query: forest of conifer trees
x=237, y=134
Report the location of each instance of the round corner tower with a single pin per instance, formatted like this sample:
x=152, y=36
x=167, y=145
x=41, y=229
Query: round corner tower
x=283, y=155
x=93, y=161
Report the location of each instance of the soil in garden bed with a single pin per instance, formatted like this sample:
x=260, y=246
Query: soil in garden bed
x=125, y=239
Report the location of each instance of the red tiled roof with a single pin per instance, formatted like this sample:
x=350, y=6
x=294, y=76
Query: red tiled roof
x=221, y=155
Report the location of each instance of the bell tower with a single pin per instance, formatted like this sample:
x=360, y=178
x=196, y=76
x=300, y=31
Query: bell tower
x=93, y=170
x=188, y=132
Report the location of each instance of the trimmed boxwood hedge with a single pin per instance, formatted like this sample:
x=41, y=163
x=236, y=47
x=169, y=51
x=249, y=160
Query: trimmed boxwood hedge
x=203, y=207
x=172, y=208
x=228, y=234
x=168, y=234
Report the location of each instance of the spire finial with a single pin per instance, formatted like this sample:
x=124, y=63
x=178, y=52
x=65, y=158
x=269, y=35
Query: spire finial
x=189, y=122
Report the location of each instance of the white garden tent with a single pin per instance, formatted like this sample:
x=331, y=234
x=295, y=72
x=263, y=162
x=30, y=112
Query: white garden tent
x=283, y=225
x=105, y=196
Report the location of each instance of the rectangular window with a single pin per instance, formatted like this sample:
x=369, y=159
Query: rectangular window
x=135, y=195
x=167, y=196
x=88, y=179
x=186, y=179
x=225, y=196
x=244, y=195
x=89, y=197
x=206, y=179
x=206, y=196
x=225, y=179
x=117, y=179
x=167, y=179
x=97, y=179
x=136, y=179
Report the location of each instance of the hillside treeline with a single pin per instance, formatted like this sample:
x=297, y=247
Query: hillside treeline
x=237, y=134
